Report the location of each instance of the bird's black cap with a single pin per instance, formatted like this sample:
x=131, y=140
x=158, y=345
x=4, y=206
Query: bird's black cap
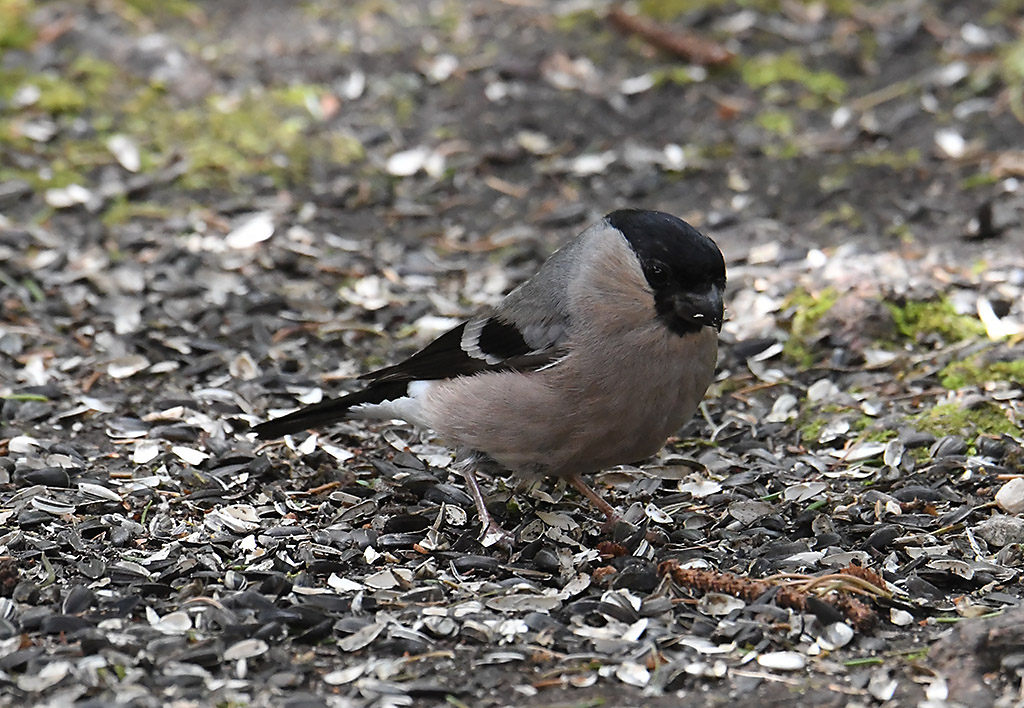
x=656, y=236
x=684, y=268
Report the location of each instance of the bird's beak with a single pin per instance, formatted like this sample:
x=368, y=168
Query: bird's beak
x=706, y=308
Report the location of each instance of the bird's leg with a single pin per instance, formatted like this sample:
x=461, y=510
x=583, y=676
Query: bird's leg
x=615, y=520
x=491, y=532
x=595, y=499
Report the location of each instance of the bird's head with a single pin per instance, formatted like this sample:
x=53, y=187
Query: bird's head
x=684, y=268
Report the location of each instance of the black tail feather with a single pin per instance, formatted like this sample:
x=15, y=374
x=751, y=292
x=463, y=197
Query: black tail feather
x=329, y=411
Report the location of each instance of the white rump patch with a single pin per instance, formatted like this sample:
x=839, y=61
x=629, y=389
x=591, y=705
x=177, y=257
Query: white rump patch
x=406, y=408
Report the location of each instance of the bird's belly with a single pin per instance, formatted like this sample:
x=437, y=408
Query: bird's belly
x=564, y=421
x=637, y=420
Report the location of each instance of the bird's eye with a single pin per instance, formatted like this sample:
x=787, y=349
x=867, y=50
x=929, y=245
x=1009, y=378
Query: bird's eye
x=657, y=273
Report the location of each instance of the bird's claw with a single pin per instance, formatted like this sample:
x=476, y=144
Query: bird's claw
x=494, y=535
x=616, y=523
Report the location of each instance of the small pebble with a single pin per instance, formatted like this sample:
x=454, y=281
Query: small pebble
x=1001, y=530
x=1010, y=496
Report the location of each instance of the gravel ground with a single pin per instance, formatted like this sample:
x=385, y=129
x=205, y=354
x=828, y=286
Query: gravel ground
x=213, y=212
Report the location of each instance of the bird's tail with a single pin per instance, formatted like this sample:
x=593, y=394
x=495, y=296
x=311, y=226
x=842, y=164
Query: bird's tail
x=329, y=411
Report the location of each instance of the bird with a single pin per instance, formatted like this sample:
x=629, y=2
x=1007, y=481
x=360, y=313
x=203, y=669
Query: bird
x=593, y=362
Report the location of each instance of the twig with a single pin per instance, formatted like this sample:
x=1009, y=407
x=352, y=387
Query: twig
x=680, y=43
x=323, y=488
x=765, y=676
x=886, y=94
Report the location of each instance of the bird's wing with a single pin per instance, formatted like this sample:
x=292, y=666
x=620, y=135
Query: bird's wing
x=485, y=343
x=529, y=330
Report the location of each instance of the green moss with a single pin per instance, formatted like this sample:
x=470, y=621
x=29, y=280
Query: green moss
x=224, y=140
x=84, y=84
x=920, y=455
x=812, y=421
x=671, y=9
x=1011, y=62
x=83, y=90
x=59, y=95
x=10, y=81
x=717, y=151
x=908, y=159
x=783, y=150
x=571, y=21
x=845, y=213
x=900, y=231
x=768, y=70
x=841, y=7
x=951, y=419
x=777, y=122
x=868, y=46
x=678, y=75
x=141, y=9
x=807, y=308
x=404, y=108
x=95, y=76
x=865, y=427
x=835, y=179
x=873, y=432
x=297, y=95
x=811, y=307
x=231, y=138
x=122, y=211
x=447, y=16
x=979, y=179
x=15, y=30
x=345, y=148
x=810, y=430
x=968, y=373
x=1004, y=11
x=915, y=318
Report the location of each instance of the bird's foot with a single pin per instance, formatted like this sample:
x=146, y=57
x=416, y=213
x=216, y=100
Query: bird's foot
x=494, y=535
x=615, y=523
x=623, y=531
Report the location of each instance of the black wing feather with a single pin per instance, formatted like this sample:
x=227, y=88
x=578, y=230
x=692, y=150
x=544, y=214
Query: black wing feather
x=500, y=340
x=501, y=348
x=441, y=359
x=328, y=411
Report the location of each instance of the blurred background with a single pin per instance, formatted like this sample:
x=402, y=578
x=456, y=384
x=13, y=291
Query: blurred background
x=498, y=122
